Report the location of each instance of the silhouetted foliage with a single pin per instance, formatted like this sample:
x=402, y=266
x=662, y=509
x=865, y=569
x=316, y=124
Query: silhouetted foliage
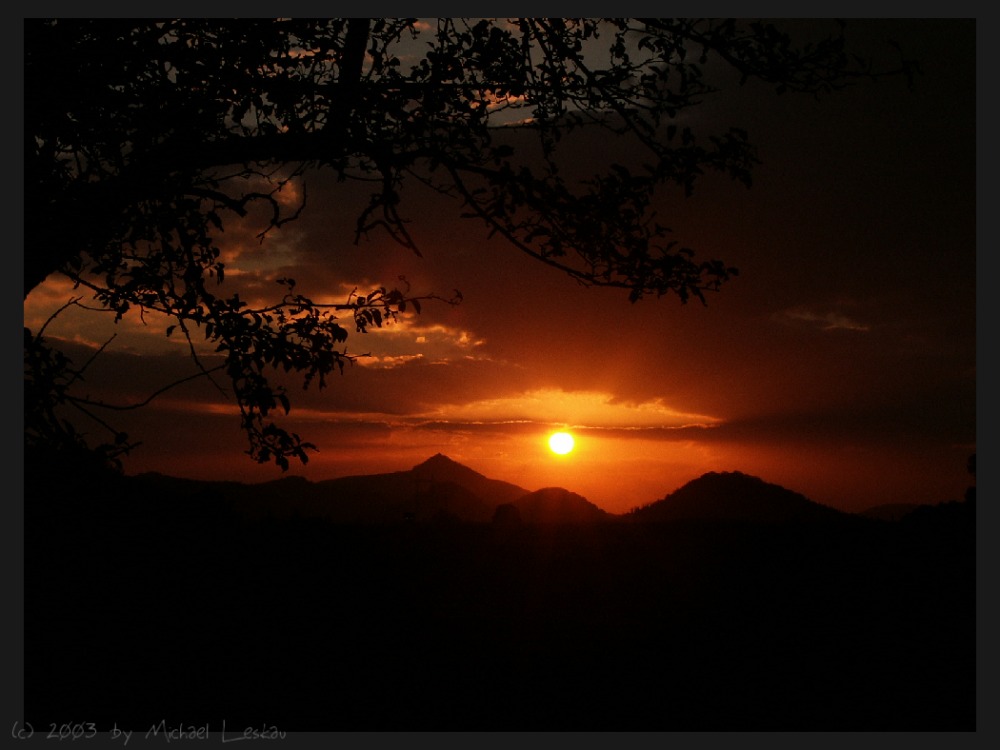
x=143, y=138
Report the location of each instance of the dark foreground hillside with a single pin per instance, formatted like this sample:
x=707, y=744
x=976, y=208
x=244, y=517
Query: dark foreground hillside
x=140, y=610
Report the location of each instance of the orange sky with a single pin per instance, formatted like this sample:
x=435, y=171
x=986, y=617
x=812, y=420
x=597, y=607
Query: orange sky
x=840, y=363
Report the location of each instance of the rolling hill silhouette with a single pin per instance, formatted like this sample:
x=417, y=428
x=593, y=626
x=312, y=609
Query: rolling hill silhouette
x=439, y=488
x=734, y=496
x=436, y=489
x=702, y=626
x=558, y=505
x=443, y=489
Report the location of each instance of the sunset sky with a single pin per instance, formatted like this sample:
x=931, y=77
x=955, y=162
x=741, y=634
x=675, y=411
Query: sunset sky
x=840, y=363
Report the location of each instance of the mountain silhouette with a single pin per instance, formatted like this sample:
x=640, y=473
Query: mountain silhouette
x=689, y=626
x=439, y=488
x=439, y=468
x=734, y=496
x=558, y=505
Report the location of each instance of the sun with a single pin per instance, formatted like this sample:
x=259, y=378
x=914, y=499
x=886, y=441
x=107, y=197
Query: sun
x=561, y=443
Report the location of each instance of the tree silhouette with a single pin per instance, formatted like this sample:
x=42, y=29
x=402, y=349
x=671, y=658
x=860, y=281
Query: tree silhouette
x=143, y=138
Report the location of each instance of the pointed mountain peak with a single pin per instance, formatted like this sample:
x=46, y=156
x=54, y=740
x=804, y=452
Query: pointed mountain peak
x=438, y=459
x=441, y=468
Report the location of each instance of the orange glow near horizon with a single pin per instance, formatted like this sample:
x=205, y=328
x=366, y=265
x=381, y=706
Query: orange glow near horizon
x=614, y=471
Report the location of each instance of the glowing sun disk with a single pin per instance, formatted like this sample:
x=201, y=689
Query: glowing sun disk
x=561, y=443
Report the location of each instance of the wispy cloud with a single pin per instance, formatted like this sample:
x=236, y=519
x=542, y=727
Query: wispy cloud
x=587, y=409
x=827, y=321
